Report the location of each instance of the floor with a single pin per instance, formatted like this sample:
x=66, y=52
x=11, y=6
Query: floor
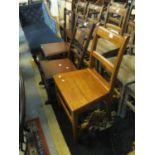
x=35, y=99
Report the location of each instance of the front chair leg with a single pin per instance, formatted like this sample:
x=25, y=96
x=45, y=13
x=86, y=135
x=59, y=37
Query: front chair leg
x=74, y=126
x=108, y=106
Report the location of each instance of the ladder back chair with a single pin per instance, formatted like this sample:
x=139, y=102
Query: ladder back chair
x=79, y=90
x=116, y=19
x=72, y=61
x=54, y=50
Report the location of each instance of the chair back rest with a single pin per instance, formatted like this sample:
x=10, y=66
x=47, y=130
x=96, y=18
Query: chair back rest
x=119, y=41
x=116, y=18
x=69, y=21
x=81, y=9
x=119, y=5
x=94, y=12
x=78, y=46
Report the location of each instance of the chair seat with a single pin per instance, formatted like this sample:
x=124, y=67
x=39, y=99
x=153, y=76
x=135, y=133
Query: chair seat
x=52, y=49
x=127, y=69
x=103, y=46
x=80, y=88
x=53, y=67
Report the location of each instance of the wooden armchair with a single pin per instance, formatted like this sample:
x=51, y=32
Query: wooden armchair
x=80, y=89
x=116, y=18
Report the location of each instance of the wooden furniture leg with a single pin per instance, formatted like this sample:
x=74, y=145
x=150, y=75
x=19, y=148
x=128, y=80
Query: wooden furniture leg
x=74, y=126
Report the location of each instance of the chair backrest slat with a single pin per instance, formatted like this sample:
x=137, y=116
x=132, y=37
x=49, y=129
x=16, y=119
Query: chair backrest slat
x=119, y=41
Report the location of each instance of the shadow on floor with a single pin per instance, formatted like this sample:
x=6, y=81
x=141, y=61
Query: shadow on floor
x=117, y=140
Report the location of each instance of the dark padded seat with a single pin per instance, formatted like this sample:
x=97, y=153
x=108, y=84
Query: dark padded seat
x=53, y=67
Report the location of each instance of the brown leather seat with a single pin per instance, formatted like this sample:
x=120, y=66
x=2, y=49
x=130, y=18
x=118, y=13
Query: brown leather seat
x=52, y=49
x=53, y=67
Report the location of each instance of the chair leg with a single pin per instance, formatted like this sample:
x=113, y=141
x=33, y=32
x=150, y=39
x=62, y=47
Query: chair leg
x=50, y=90
x=74, y=126
x=108, y=106
x=121, y=100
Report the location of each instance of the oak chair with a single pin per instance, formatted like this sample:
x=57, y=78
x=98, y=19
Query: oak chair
x=80, y=89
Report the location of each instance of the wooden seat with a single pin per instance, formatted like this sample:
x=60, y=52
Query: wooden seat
x=85, y=86
x=78, y=90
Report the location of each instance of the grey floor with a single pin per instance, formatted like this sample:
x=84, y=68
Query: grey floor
x=34, y=105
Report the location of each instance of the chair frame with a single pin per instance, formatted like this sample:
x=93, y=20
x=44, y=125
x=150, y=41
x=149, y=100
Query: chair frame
x=121, y=42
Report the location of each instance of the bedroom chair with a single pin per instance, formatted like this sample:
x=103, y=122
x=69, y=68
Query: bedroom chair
x=78, y=90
